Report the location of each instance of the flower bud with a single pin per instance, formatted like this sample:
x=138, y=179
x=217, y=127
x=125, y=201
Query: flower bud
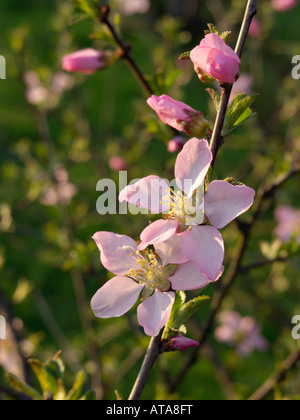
x=86, y=61
x=179, y=115
x=117, y=163
x=176, y=144
x=181, y=343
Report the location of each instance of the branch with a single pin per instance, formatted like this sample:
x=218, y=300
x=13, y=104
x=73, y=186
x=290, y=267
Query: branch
x=277, y=377
x=217, y=139
x=152, y=353
x=104, y=18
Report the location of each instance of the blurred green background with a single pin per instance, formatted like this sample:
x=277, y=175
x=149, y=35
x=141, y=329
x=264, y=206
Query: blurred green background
x=49, y=266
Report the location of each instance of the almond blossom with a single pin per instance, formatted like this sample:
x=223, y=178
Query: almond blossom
x=216, y=58
x=288, y=227
x=186, y=212
x=86, y=61
x=153, y=275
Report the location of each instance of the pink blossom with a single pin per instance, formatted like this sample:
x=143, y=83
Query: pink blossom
x=176, y=144
x=255, y=28
x=86, y=61
x=60, y=193
x=144, y=273
x=181, y=343
x=288, y=219
x=179, y=115
x=284, y=5
x=217, y=59
x=186, y=210
x=117, y=163
x=243, y=333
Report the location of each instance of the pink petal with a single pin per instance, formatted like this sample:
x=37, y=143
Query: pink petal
x=286, y=214
x=188, y=277
x=192, y=165
x=204, y=245
x=116, y=252
x=154, y=313
x=214, y=41
x=170, y=251
x=224, y=202
x=116, y=297
x=221, y=67
x=148, y=193
x=182, y=343
x=158, y=232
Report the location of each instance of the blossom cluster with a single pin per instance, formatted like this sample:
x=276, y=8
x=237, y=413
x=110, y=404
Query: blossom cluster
x=184, y=249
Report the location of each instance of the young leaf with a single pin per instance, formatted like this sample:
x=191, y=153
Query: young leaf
x=19, y=385
x=238, y=112
x=215, y=96
x=185, y=55
x=47, y=381
x=78, y=387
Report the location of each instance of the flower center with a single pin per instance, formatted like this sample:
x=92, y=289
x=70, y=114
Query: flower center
x=189, y=210
x=151, y=273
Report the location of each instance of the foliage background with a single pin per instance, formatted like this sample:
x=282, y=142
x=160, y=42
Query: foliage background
x=49, y=266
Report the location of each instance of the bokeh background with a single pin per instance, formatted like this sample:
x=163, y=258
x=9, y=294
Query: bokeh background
x=59, y=133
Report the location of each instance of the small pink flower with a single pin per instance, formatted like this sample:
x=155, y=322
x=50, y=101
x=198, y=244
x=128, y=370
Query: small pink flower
x=185, y=211
x=176, y=144
x=117, y=163
x=288, y=219
x=86, y=61
x=243, y=333
x=255, y=28
x=131, y=7
x=60, y=193
x=181, y=343
x=217, y=59
x=179, y=115
x=284, y=5
x=145, y=273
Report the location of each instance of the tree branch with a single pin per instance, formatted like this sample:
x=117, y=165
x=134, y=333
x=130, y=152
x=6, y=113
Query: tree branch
x=277, y=377
x=150, y=357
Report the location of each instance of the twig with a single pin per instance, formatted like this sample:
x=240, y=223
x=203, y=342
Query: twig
x=217, y=140
x=150, y=357
x=277, y=377
x=260, y=264
x=104, y=18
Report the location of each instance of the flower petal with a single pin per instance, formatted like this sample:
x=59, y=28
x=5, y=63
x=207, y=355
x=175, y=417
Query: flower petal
x=154, y=313
x=204, y=245
x=214, y=41
x=224, y=202
x=116, y=297
x=188, y=277
x=192, y=165
x=158, y=232
x=170, y=251
x=148, y=193
x=116, y=252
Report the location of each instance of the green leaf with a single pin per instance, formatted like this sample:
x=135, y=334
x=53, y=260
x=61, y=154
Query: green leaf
x=238, y=112
x=47, y=381
x=181, y=312
x=226, y=36
x=78, y=387
x=86, y=6
x=19, y=385
x=171, y=78
x=211, y=29
x=215, y=96
x=185, y=56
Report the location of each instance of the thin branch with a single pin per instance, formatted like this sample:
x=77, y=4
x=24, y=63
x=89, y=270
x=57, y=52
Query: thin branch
x=260, y=264
x=277, y=377
x=217, y=140
x=104, y=18
x=152, y=353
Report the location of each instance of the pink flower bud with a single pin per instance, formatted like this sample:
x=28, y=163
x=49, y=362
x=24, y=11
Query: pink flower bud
x=176, y=144
x=217, y=59
x=284, y=5
x=86, y=61
x=117, y=163
x=179, y=115
x=181, y=343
